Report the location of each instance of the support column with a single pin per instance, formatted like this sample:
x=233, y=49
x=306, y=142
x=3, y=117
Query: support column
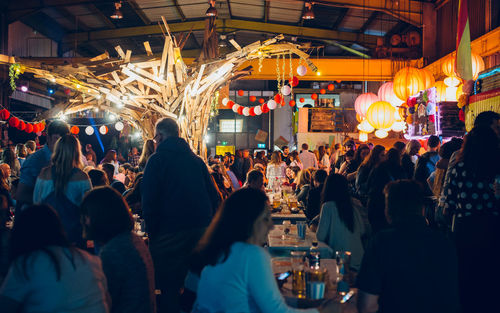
x=429, y=33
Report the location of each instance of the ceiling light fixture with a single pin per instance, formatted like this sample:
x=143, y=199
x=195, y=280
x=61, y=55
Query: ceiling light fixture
x=117, y=15
x=308, y=12
x=212, y=11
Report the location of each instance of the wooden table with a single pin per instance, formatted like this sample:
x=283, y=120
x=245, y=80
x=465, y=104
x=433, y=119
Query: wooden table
x=279, y=246
x=279, y=217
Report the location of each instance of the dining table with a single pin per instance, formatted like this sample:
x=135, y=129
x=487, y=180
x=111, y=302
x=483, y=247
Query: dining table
x=280, y=243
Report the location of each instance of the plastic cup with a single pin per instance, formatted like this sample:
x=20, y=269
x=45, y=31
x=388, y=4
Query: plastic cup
x=315, y=290
x=301, y=229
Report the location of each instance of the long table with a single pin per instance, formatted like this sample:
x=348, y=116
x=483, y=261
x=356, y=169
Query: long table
x=282, y=246
x=278, y=218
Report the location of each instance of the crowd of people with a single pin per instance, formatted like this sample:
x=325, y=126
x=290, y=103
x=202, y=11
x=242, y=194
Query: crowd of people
x=422, y=227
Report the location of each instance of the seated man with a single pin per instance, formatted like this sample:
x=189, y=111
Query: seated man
x=409, y=267
x=255, y=180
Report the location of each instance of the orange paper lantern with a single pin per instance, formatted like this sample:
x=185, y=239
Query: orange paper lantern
x=314, y=96
x=74, y=130
x=477, y=62
x=427, y=77
x=291, y=103
x=408, y=82
x=440, y=91
x=381, y=115
x=322, y=91
x=253, y=98
x=331, y=87
x=241, y=93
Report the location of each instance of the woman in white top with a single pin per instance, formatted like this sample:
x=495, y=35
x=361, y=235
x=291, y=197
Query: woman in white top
x=237, y=274
x=47, y=274
x=276, y=170
x=295, y=160
x=324, y=159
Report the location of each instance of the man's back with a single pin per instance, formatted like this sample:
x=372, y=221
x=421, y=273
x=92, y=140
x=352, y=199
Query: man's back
x=412, y=268
x=308, y=159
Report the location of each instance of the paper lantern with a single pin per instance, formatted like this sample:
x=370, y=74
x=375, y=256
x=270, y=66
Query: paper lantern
x=35, y=128
x=4, y=114
x=279, y=99
x=262, y=101
x=440, y=91
x=331, y=87
x=477, y=65
x=14, y=121
x=22, y=125
x=240, y=110
x=380, y=115
x=89, y=130
x=314, y=96
x=386, y=93
x=265, y=109
x=364, y=126
x=286, y=90
x=358, y=118
x=338, y=81
x=257, y=110
x=398, y=126
x=301, y=100
x=29, y=128
x=452, y=81
x=448, y=66
x=246, y=111
x=235, y=108
x=253, y=98
x=271, y=104
x=363, y=137
x=451, y=93
x=103, y=129
x=251, y=111
x=291, y=103
x=74, y=130
x=322, y=91
x=294, y=82
x=225, y=101
x=301, y=70
x=427, y=77
x=380, y=133
x=408, y=82
x=119, y=126
x=230, y=104
x=67, y=91
x=363, y=101
x=241, y=93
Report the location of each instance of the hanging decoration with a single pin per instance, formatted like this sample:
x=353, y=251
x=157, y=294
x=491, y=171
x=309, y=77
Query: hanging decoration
x=286, y=90
x=271, y=104
x=363, y=101
x=294, y=82
x=363, y=137
x=241, y=93
x=119, y=126
x=477, y=61
x=322, y=91
x=74, y=130
x=366, y=127
x=292, y=103
x=408, y=82
x=262, y=101
x=421, y=114
x=427, y=78
x=331, y=87
x=380, y=115
x=380, y=133
x=89, y=130
x=440, y=91
x=314, y=96
x=301, y=70
x=103, y=129
x=252, y=98
x=386, y=93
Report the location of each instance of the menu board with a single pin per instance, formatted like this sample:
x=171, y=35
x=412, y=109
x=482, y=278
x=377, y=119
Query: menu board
x=322, y=120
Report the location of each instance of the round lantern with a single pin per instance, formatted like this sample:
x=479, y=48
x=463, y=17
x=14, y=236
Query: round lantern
x=380, y=133
x=22, y=125
x=265, y=109
x=42, y=127
x=386, y=93
x=448, y=66
x=271, y=104
x=103, y=129
x=363, y=101
x=314, y=96
x=451, y=93
x=246, y=111
x=261, y=101
x=14, y=121
x=241, y=93
x=398, y=126
x=331, y=87
x=477, y=65
x=89, y=130
x=35, y=128
x=235, y=108
x=452, y=81
x=294, y=82
x=358, y=118
x=322, y=91
x=301, y=70
x=230, y=104
x=29, y=128
x=291, y=103
x=301, y=100
x=257, y=110
x=251, y=111
x=407, y=82
x=119, y=126
x=278, y=98
x=253, y=98
x=427, y=77
x=240, y=110
x=440, y=91
x=363, y=137
x=74, y=130
x=4, y=114
x=225, y=101
x=380, y=115
x=365, y=127
x=286, y=90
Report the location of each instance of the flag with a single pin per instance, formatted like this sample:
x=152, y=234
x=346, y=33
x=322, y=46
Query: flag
x=463, y=62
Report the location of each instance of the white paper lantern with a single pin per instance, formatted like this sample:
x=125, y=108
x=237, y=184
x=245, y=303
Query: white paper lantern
x=257, y=110
x=380, y=133
x=225, y=101
x=271, y=104
x=286, y=90
x=246, y=111
x=451, y=93
x=301, y=70
x=398, y=126
x=89, y=130
x=119, y=126
x=103, y=129
x=364, y=126
x=235, y=108
x=363, y=137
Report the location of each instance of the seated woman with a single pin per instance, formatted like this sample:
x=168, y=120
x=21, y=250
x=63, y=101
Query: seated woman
x=47, y=274
x=303, y=183
x=340, y=222
x=236, y=273
x=126, y=260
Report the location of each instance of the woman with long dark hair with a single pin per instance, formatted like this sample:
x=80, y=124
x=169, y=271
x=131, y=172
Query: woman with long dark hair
x=126, y=260
x=47, y=274
x=147, y=150
x=340, y=222
x=471, y=199
x=111, y=157
x=374, y=158
x=359, y=156
x=236, y=273
x=9, y=158
x=63, y=184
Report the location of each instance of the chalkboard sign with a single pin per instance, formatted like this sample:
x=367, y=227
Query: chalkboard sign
x=322, y=120
x=449, y=121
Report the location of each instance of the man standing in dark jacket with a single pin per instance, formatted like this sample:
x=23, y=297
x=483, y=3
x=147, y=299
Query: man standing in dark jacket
x=179, y=200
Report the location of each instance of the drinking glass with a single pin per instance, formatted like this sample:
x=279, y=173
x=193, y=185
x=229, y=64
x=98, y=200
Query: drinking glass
x=301, y=229
x=298, y=273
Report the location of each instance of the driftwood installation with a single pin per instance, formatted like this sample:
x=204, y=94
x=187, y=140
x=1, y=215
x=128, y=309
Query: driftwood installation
x=143, y=89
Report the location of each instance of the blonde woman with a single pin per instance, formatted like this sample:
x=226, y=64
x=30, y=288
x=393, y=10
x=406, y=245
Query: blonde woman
x=147, y=150
x=303, y=182
x=63, y=184
x=276, y=170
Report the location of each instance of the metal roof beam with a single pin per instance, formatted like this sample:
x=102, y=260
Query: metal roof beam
x=289, y=30
x=369, y=21
x=340, y=18
x=139, y=12
x=179, y=10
